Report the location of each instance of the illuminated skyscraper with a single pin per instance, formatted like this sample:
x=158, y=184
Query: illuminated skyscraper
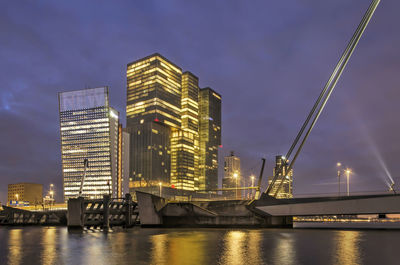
x=163, y=119
x=153, y=110
x=232, y=175
x=285, y=191
x=210, y=137
x=90, y=130
x=185, y=141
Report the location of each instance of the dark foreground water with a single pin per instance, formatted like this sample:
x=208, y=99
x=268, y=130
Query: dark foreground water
x=55, y=245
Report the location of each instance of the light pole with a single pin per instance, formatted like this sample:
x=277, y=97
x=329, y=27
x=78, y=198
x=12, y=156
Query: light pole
x=160, y=184
x=235, y=175
x=339, y=165
x=252, y=185
x=348, y=171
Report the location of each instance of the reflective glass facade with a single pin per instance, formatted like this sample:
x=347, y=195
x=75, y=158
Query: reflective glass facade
x=210, y=137
x=185, y=141
x=89, y=129
x=164, y=121
x=232, y=174
x=285, y=191
x=153, y=110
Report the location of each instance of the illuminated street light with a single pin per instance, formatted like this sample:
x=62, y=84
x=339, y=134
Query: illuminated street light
x=17, y=196
x=252, y=185
x=160, y=184
x=339, y=165
x=235, y=175
x=348, y=171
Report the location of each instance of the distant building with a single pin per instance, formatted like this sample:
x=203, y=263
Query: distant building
x=164, y=121
x=90, y=129
x=286, y=190
x=31, y=193
x=232, y=175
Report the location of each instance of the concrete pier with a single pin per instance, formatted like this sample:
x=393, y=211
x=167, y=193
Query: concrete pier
x=75, y=213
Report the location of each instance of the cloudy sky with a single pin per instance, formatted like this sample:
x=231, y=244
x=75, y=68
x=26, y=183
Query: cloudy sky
x=268, y=59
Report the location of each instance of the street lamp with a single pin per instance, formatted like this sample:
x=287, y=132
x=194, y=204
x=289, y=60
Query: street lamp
x=252, y=185
x=235, y=175
x=338, y=165
x=160, y=184
x=348, y=171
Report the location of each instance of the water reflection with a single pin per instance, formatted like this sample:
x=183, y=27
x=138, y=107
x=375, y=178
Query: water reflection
x=15, y=247
x=284, y=252
x=241, y=247
x=159, y=249
x=347, y=247
x=49, y=243
x=41, y=245
x=178, y=248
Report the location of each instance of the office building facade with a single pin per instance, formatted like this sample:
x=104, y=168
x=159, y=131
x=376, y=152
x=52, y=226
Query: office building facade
x=25, y=194
x=164, y=121
x=90, y=129
x=286, y=190
x=210, y=137
x=232, y=175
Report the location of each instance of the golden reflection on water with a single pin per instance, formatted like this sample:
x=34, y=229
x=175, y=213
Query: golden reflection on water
x=285, y=253
x=49, y=239
x=254, y=247
x=178, y=248
x=347, y=248
x=15, y=246
x=241, y=248
x=159, y=249
x=234, y=248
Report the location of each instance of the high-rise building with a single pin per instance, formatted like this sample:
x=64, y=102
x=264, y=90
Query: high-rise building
x=232, y=175
x=90, y=129
x=285, y=191
x=153, y=109
x=210, y=137
x=163, y=119
x=185, y=141
x=25, y=193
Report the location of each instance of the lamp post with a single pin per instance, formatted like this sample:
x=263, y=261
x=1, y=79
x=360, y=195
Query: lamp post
x=160, y=184
x=235, y=175
x=348, y=171
x=338, y=165
x=252, y=185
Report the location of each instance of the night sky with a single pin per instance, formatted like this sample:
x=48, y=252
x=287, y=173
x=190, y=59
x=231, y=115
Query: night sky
x=268, y=60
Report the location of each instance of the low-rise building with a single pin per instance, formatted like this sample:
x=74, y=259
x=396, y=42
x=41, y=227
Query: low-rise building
x=24, y=193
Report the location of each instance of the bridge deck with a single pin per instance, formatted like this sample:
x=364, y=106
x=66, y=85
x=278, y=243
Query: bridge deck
x=369, y=204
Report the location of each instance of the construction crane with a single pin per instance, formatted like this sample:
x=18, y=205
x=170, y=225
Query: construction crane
x=321, y=102
x=85, y=166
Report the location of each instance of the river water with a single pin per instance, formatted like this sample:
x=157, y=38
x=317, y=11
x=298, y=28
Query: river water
x=55, y=245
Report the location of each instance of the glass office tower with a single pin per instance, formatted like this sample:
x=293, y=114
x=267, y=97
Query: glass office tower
x=153, y=110
x=164, y=122
x=285, y=191
x=210, y=137
x=90, y=130
x=185, y=141
x=232, y=175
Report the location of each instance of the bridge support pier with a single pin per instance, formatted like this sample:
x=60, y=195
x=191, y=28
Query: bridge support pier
x=106, y=212
x=75, y=213
x=128, y=212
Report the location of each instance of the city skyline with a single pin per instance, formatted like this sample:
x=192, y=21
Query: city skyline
x=266, y=94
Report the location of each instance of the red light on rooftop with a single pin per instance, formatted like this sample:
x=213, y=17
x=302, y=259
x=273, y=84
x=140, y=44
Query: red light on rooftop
x=157, y=120
x=220, y=146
